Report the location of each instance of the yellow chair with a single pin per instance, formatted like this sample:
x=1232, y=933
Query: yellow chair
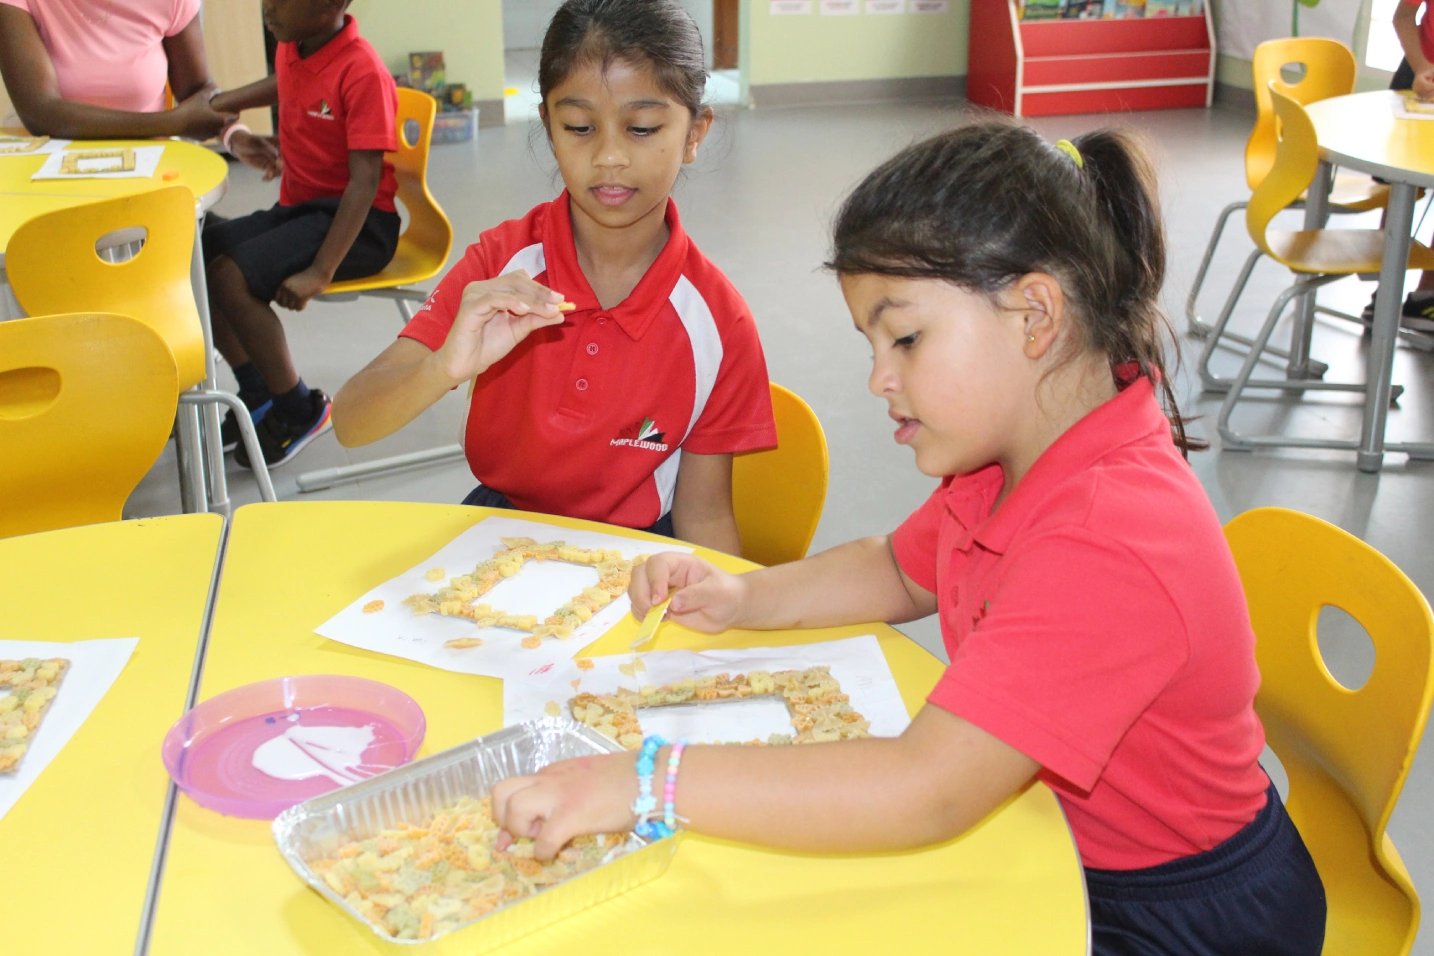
x=1346, y=751
x=86, y=402
x=778, y=494
x=55, y=263
x=1329, y=69
x=422, y=252
x=1316, y=256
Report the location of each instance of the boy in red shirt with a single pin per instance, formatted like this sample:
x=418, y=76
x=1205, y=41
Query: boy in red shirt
x=335, y=218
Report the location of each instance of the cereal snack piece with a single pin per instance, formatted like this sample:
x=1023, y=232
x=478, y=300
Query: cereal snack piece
x=553, y=709
x=374, y=606
x=584, y=663
x=27, y=687
x=435, y=574
x=415, y=882
x=463, y=643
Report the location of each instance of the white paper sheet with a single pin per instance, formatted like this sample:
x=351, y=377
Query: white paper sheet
x=94, y=665
x=856, y=662
x=146, y=161
x=539, y=588
x=1402, y=109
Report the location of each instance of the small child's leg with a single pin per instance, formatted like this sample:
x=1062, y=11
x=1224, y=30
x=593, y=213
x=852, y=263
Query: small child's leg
x=254, y=326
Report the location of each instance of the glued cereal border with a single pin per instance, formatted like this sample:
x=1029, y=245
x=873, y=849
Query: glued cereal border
x=819, y=710
x=458, y=598
x=32, y=684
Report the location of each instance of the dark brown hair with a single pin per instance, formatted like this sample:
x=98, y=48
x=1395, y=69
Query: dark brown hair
x=984, y=204
x=658, y=34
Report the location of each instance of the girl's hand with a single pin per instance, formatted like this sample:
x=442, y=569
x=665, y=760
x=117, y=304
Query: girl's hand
x=494, y=316
x=566, y=799
x=705, y=598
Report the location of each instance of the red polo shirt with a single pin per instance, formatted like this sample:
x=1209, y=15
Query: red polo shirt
x=1426, y=29
x=1096, y=623
x=589, y=418
x=338, y=99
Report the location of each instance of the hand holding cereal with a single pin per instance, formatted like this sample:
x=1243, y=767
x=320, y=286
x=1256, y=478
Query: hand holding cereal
x=493, y=318
x=586, y=795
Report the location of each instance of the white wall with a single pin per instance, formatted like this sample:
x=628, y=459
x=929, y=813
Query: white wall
x=525, y=20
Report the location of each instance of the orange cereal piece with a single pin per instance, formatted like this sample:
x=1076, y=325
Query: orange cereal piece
x=373, y=606
x=585, y=663
x=532, y=641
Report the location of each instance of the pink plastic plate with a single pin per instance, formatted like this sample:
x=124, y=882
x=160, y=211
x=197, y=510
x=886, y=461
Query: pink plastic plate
x=257, y=750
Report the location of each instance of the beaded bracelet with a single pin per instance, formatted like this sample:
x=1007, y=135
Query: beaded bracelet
x=669, y=787
x=645, y=806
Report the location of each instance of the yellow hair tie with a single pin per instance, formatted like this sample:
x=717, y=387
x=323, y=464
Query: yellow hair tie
x=1069, y=148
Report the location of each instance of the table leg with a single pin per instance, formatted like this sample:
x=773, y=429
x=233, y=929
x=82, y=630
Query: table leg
x=1387, y=306
x=1316, y=214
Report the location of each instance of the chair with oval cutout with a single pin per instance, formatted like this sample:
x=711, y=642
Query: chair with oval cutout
x=55, y=264
x=1328, y=68
x=422, y=252
x=1346, y=751
x=86, y=404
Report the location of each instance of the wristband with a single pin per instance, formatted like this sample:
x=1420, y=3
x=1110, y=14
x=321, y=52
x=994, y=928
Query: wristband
x=228, y=135
x=645, y=806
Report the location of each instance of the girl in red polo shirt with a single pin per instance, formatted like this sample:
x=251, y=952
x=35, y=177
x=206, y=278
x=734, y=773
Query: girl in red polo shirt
x=1097, y=631
x=627, y=405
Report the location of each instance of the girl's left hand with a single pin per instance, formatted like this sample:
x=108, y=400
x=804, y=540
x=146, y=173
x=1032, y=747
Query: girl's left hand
x=567, y=799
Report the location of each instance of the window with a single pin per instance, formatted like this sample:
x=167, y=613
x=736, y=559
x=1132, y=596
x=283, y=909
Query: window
x=1381, y=50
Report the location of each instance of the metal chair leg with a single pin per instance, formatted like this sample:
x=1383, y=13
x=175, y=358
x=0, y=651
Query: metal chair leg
x=1198, y=328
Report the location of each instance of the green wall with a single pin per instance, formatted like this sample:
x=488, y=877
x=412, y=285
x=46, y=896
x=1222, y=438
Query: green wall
x=470, y=34
x=813, y=48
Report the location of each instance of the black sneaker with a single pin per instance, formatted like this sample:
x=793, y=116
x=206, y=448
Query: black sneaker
x=1418, y=312
x=229, y=428
x=282, y=439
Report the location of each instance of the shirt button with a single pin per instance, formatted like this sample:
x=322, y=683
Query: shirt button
x=592, y=348
x=602, y=319
x=582, y=384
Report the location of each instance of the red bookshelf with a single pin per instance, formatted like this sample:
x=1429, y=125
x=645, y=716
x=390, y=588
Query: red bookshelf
x=1050, y=67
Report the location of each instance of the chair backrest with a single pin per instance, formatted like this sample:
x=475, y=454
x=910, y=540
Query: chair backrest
x=1296, y=160
x=1329, y=69
x=1345, y=750
x=54, y=264
x=427, y=236
x=86, y=405
x=778, y=494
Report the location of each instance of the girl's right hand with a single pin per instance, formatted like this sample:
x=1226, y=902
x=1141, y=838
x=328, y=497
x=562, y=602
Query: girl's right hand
x=703, y=598
x=493, y=317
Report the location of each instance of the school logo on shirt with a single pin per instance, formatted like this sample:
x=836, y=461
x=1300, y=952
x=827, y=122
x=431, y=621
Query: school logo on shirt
x=643, y=434
x=323, y=112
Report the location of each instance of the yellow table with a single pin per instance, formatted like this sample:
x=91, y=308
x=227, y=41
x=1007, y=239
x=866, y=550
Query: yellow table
x=1363, y=131
x=1013, y=885
x=183, y=163
x=78, y=847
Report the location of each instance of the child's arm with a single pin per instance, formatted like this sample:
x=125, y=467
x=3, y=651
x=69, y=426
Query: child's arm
x=405, y=378
x=262, y=92
x=935, y=781
x=365, y=171
x=702, y=503
x=853, y=582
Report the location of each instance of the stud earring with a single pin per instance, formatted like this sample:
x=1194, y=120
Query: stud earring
x=1030, y=338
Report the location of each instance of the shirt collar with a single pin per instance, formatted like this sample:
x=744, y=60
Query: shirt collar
x=635, y=313
x=1133, y=415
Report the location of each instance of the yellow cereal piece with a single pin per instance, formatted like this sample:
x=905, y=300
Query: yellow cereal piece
x=532, y=641
x=373, y=606
x=435, y=574
x=463, y=643
x=553, y=709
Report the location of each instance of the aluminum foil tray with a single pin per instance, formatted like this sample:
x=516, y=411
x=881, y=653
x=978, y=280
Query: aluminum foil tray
x=312, y=830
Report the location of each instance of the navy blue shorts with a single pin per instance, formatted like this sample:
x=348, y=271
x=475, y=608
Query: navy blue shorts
x=485, y=497
x=1257, y=893
x=270, y=245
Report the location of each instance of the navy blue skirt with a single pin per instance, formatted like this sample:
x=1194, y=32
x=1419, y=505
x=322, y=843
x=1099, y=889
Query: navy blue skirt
x=485, y=497
x=1256, y=893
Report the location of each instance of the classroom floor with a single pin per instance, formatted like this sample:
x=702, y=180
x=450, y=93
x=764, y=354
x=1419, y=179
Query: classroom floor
x=759, y=202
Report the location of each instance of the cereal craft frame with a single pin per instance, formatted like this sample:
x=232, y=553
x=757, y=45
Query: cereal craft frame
x=459, y=598
x=32, y=684
x=819, y=710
